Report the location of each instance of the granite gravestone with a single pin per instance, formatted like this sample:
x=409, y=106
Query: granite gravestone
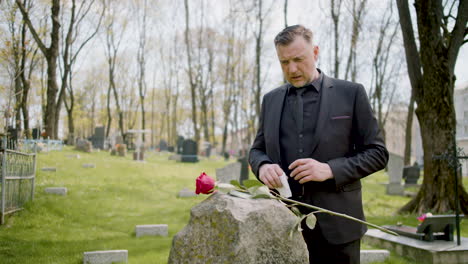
x=395, y=170
x=84, y=145
x=162, y=145
x=411, y=174
x=189, y=152
x=180, y=144
x=98, y=138
x=229, y=173
x=227, y=229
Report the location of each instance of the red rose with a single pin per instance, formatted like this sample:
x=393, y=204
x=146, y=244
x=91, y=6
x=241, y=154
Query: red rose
x=205, y=184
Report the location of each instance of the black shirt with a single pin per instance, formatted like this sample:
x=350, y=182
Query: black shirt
x=294, y=143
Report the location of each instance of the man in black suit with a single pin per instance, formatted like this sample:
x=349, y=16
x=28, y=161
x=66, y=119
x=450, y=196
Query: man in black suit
x=322, y=133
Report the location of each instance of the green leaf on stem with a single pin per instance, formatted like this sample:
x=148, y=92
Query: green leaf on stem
x=237, y=184
x=311, y=220
x=296, y=211
x=297, y=226
x=251, y=183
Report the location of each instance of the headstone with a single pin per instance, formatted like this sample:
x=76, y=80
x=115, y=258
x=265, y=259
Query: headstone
x=98, y=139
x=84, y=145
x=49, y=169
x=89, y=165
x=244, y=173
x=73, y=156
x=122, y=150
x=151, y=230
x=189, y=153
x=139, y=155
x=395, y=169
x=229, y=172
x=170, y=148
x=105, y=257
x=185, y=192
x=180, y=144
x=371, y=256
x=411, y=174
x=162, y=145
x=227, y=229
x=56, y=190
x=36, y=134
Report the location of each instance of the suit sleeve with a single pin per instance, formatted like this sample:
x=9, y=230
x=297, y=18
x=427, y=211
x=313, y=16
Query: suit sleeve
x=369, y=153
x=257, y=154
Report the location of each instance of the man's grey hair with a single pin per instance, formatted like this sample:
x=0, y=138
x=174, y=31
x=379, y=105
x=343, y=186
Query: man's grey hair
x=288, y=35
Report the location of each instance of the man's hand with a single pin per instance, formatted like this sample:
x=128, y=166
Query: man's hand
x=306, y=170
x=269, y=174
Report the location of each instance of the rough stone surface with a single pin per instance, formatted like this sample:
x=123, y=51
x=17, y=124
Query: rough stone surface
x=84, y=145
x=227, y=229
x=49, y=169
x=151, y=230
x=105, y=257
x=185, y=192
x=229, y=172
x=122, y=150
x=371, y=256
x=56, y=190
x=89, y=165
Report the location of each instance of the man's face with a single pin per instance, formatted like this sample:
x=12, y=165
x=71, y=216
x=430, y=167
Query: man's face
x=298, y=61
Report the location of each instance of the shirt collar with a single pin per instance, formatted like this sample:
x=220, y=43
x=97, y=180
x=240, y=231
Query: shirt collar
x=317, y=84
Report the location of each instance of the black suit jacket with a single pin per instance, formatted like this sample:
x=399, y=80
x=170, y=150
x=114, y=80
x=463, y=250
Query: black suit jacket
x=347, y=137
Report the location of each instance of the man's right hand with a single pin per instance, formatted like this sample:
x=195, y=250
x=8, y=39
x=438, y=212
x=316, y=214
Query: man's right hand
x=269, y=174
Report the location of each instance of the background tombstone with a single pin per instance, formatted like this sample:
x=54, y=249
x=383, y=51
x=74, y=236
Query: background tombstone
x=229, y=172
x=189, y=153
x=395, y=171
x=84, y=145
x=180, y=144
x=99, y=137
x=122, y=150
x=243, y=159
x=411, y=174
x=36, y=134
x=162, y=145
x=227, y=229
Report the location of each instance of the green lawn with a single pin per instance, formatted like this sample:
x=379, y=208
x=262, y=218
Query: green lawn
x=104, y=205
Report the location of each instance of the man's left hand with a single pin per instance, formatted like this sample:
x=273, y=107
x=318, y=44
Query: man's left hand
x=306, y=170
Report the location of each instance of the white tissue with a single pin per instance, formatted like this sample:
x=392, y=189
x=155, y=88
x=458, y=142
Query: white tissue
x=284, y=191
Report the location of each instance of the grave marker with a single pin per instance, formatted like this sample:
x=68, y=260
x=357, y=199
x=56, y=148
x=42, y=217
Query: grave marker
x=395, y=171
x=56, y=190
x=105, y=257
x=229, y=172
x=151, y=230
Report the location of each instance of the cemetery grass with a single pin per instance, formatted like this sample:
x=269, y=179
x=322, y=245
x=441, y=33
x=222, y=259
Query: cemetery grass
x=104, y=204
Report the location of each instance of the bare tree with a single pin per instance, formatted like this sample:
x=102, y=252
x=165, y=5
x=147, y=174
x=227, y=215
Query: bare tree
x=431, y=72
x=191, y=76
x=114, y=38
x=357, y=14
x=142, y=64
x=385, y=65
x=335, y=10
x=51, y=54
x=69, y=57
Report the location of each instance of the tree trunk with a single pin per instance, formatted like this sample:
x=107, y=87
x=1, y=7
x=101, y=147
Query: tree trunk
x=409, y=132
x=433, y=84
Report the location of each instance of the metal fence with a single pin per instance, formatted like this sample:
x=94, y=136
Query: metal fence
x=17, y=173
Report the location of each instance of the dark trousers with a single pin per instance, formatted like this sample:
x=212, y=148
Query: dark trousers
x=322, y=252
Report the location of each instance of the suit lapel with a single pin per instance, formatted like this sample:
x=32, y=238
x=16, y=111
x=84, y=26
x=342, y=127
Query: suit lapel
x=323, y=112
x=275, y=114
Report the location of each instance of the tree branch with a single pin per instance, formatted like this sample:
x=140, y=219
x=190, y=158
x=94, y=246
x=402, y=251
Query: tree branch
x=25, y=14
x=458, y=34
x=412, y=55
